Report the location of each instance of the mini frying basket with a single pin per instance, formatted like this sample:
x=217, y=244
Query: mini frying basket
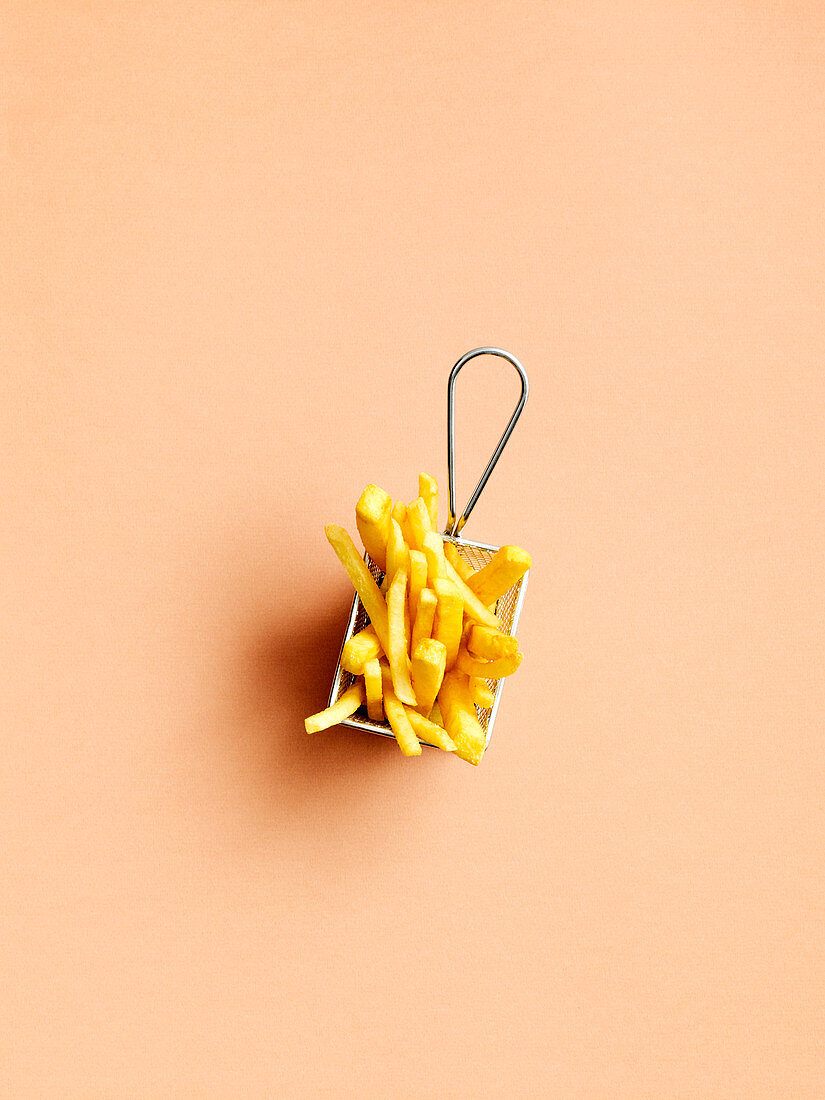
x=476, y=554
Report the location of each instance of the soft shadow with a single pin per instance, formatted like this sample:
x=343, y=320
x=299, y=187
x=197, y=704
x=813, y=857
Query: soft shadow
x=285, y=672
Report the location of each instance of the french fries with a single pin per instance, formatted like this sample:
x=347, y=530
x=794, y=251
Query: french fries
x=488, y=670
x=418, y=581
x=489, y=644
x=431, y=731
x=449, y=618
x=428, y=491
x=472, y=604
x=434, y=553
x=424, y=617
x=348, y=704
x=399, y=514
x=398, y=715
x=399, y=722
x=432, y=642
x=398, y=556
x=361, y=578
x=375, y=694
x=359, y=649
x=372, y=518
x=481, y=692
x=462, y=567
x=439, y=568
x=508, y=565
x=429, y=661
x=418, y=519
x=398, y=645
x=460, y=718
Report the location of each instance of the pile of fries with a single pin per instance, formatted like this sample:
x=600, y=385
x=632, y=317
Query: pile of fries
x=433, y=639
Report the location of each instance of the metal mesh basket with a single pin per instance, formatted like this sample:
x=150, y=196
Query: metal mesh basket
x=476, y=554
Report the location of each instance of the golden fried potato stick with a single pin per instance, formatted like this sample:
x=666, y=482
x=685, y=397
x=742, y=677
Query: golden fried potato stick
x=372, y=517
x=348, y=704
x=361, y=578
x=399, y=514
x=449, y=618
x=401, y=725
x=480, y=691
x=397, y=717
x=462, y=567
x=460, y=718
x=418, y=519
x=488, y=670
x=398, y=555
x=429, y=661
x=359, y=649
x=428, y=491
x=434, y=553
x=418, y=580
x=430, y=731
x=424, y=616
x=375, y=695
x=398, y=639
x=506, y=566
x=489, y=644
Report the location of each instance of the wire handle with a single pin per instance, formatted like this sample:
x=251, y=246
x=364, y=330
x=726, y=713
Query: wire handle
x=454, y=527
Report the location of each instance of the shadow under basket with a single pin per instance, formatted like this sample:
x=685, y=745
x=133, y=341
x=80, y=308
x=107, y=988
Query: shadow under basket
x=508, y=610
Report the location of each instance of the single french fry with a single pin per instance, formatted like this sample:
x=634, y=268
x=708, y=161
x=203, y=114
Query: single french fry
x=462, y=567
x=372, y=517
x=449, y=618
x=460, y=718
x=424, y=617
x=361, y=578
x=465, y=730
x=489, y=644
x=375, y=695
x=418, y=519
x=488, y=670
x=348, y=704
x=399, y=514
x=399, y=722
x=480, y=691
x=397, y=649
x=429, y=661
x=434, y=553
x=430, y=731
x=428, y=491
x=359, y=649
x=418, y=580
x=506, y=566
x=398, y=555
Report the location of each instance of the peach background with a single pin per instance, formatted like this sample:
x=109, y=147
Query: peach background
x=243, y=244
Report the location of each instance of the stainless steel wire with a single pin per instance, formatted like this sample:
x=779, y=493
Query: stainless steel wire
x=455, y=526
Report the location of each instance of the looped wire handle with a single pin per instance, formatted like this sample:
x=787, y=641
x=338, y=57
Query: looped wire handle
x=454, y=527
